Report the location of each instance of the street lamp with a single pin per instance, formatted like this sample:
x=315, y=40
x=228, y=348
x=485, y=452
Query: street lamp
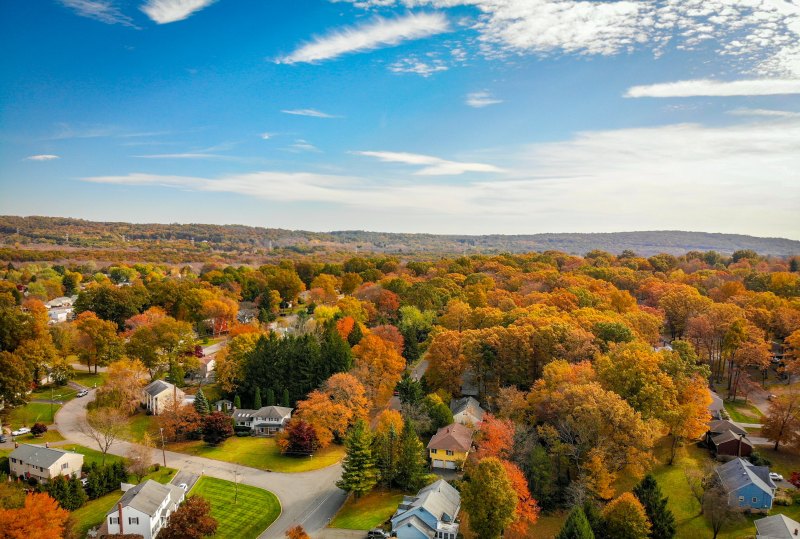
x=163, y=452
x=235, y=486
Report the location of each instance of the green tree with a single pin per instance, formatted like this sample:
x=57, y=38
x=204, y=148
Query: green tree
x=201, y=403
x=576, y=526
x=77, y=495
x=625, y=518
x=411, y=459
x=410, y=390
x=356, y=335
x=489, y=498
x=237, y=401
x=14, y=380
x=655, y=505
x=270, y=397
x=257, y=399
x=359, y=474
x=285, y=398
x=541, y=476
x=386, y=451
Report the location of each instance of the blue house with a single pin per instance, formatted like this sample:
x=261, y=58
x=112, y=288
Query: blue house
x=749, y=487
x=431, y=514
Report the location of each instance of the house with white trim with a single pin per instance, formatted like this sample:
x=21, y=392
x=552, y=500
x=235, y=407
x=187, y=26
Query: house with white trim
x=144, y=509
x=44, y=463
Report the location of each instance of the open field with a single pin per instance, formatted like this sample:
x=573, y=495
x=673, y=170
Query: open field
x=251, y=513
x=370, y=511
x=743, y=413
x=33, y=412
x=260, y=453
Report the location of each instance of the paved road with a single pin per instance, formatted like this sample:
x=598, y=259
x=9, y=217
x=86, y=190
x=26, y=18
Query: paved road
x=309, y=498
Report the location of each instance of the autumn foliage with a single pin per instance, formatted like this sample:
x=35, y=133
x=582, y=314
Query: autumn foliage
x=40, y=518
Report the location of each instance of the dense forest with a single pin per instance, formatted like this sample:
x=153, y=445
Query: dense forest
x=60, y=239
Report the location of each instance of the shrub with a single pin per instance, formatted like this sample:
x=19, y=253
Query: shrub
x=38, y=429
x=759, y=460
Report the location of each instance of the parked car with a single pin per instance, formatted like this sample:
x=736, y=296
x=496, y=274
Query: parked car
x=20, y=431
x=377, y=533
x=3, y=439
x=184, y=486
x=772, y=397
x=85, y=481
x=775, y=476
x=82, y=393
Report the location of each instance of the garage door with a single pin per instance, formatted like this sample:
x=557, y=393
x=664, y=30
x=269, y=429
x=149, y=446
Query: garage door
x=450, y=465
x=438, y=463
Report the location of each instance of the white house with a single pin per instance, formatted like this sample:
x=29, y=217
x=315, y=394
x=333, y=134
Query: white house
x=207, y=366
x=44, y=463
x=144, y=509
x=264, y=421
x=160, y=395
x=467, y=411
x=430, y=514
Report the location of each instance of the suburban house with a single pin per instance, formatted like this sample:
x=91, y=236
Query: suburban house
x=728, y=439
x=207, y=365
x=160, y=395
x=430, y=514
x=467, y=411
x=223, y=405
x=44, y=463
x=144, y=509
x=450, y=446
x=264, y=421
x=777, y=527
x=469, y=384
x=749, y=487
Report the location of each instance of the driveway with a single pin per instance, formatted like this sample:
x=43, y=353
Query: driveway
x=310, y=499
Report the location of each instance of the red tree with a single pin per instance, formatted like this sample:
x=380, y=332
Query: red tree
x=216, y=427
x=300, y=438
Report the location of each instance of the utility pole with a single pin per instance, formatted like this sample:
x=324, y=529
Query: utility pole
x=163, y=452
x=235, y=486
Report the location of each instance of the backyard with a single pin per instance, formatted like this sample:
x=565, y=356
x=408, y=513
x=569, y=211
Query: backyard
x=33, y=412
x=262, y=453
x=743, y=413
x=251, y=513
x=369, y=511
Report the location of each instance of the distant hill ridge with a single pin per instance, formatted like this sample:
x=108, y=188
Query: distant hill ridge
x=92, y=234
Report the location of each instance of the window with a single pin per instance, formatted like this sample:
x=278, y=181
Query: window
x=741, y=498
x=14, y=461
x=433, y=451
x=133, y=520
x=65, y=466
x=449, y=453
x=113, y=520
x=755, y=500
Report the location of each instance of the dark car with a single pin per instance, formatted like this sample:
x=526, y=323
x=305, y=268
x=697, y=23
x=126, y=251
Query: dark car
x=3, y=439
x=377, y=533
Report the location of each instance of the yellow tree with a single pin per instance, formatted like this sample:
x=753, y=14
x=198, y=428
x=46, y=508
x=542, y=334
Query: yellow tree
x=446, y=362
x=689, y=419
x=123, y=387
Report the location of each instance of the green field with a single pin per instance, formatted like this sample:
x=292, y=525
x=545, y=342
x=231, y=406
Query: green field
x=743, y=413
x=139, y=424
x=90, y=379
x=91, y=455
x=33, y=412
x=51, y=435
x=260, y=453
x=56, y=393
x=253, y=511
x=370, y=511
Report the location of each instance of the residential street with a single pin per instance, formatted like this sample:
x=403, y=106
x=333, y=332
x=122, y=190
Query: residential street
x=309, y=498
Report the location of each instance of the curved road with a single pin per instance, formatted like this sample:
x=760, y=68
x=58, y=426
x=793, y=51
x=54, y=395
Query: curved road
x=310, y=499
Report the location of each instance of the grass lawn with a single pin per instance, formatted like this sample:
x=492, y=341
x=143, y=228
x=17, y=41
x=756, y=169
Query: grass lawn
x=90, y=379
x=784, y=461
x=33, y=412
x=370, y=511
x=743, y=413
x=91, y=455
x=254, y=510
x=140, y=424
x=51, y=435
x=58, y=393
x=260, y=453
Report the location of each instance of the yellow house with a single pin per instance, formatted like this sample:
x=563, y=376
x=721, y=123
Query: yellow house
x=450, y=446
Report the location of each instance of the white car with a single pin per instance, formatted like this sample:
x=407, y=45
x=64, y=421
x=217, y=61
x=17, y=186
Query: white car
x=775, y=476
x=184, y=486
x=82, y=393
x=20, y=431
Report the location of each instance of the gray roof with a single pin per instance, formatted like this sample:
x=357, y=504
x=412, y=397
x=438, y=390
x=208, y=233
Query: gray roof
x=469, y=405
x=39, y=455
x=738, y=473
x=265, y=411
x=421, y=526
x=777, y=527
x=723, y=425
x=147, y=497
x=157, y=387
x=727, y=436
x=439, y=499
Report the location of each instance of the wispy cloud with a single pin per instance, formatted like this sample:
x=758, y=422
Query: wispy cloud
x=376, y=34
x=266, y=136
x=413, y=64
x=100, y=10
x=301, y=145
x=186, y=155
x=313, y=113
x=765, y=113
x=481, y=99
x=715, y=88
x=167, y=11
x=42, y=157
x=431, y=166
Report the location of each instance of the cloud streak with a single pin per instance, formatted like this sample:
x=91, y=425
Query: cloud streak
x=715, y=88
x=312, y=113
x=376, y=34
x=481, y=99
x=42, y=157
x=431, y=166
x=100, y=10
x=167, y=11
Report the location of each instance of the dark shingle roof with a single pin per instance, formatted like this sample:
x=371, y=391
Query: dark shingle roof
x=722, y=425
x=157, y=387
x=777, y=527
x=38, y=455
x=738, y=473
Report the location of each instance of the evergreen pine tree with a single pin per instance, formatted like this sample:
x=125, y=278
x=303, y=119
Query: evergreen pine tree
x=285, y=399
x=58, y=488
x=77, y=495
x=237, y=402
x=359, y=474
x=257, y=399
x=386, y=449
x=355, y=335
x=201, y=403
x=410, y=460
x=336, y=353
x=576, y=526
x=594, y=518
x=794, y=265
x=655, y=505
x=270, y=397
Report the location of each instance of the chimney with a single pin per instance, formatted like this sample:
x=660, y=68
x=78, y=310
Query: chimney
x=119, y=513
x=740, y=445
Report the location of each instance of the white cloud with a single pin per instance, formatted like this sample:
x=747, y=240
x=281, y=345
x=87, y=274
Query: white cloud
x=373, y=35
x=432, y=166
x=313, y=113
x=101, y=10
x=167, y=11
x=765, y=113
x=301, y=145
x=185, y=155
x=267, y=136
x=413, y=64
x=42, y=157
x=704, y=87
x=481, y=99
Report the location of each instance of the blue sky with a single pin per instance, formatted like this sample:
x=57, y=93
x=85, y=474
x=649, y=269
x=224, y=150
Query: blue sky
x=443, y=116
